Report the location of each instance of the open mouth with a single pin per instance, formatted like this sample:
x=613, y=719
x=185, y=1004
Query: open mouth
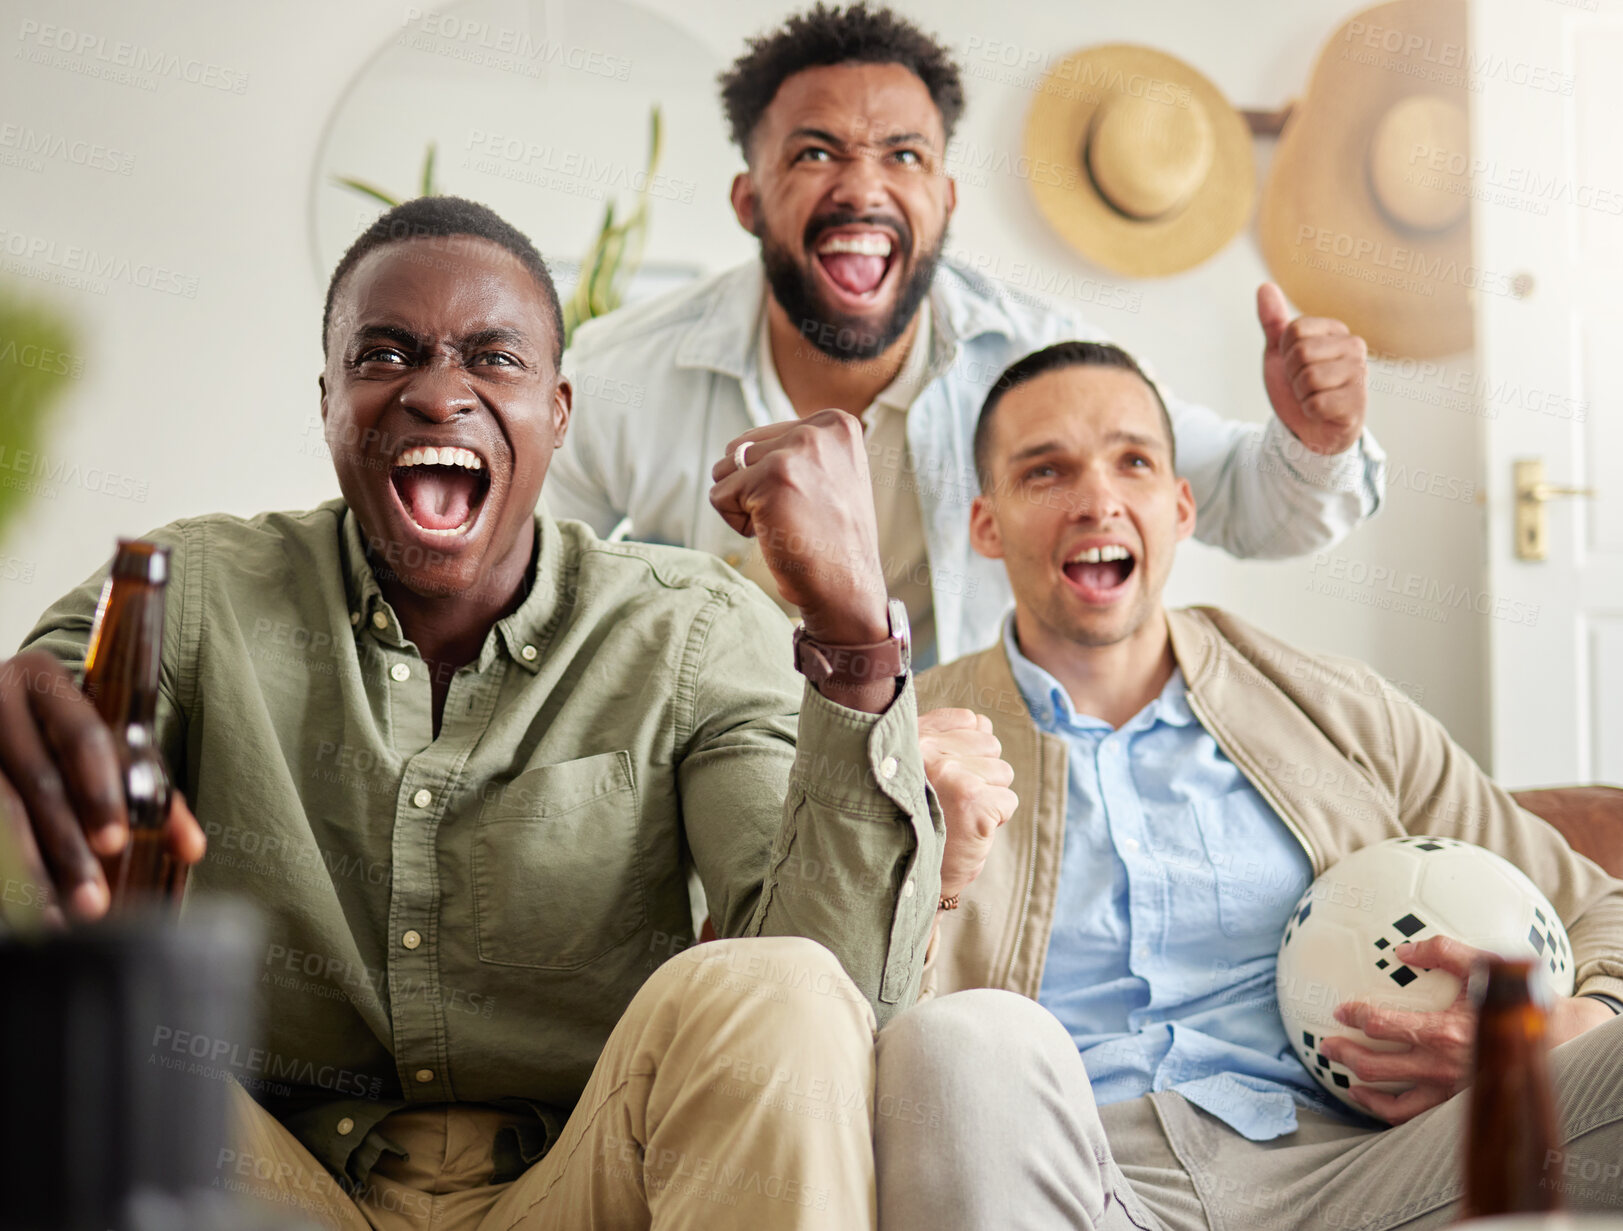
x=1100, y=573
x=441, y=490
x=857, y=263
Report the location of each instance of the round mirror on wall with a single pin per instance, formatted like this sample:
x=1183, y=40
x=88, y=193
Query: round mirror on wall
x=541, y=110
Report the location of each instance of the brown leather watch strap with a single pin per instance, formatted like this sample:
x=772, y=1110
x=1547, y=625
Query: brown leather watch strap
x=849, y=664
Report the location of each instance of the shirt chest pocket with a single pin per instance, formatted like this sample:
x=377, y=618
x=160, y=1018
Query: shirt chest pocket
x=1261, y=870
x=557, y=872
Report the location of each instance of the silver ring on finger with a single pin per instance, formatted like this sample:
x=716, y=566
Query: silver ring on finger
x=739, y=459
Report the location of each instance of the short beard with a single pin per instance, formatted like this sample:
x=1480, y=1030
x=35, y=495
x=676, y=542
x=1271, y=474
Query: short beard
x=844, y=338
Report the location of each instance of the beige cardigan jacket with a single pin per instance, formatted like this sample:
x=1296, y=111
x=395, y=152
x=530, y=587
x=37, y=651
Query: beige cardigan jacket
x=1343, y=757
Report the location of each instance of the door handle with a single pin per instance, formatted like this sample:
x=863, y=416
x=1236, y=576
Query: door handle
x=1532, y=493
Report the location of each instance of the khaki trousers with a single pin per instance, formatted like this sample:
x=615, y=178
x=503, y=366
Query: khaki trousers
x=736, y=1093
x=1016, y=1142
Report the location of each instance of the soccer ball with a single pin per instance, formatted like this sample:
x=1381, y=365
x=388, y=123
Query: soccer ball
x=1339, y=941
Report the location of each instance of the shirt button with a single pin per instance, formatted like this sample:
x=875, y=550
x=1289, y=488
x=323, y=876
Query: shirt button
x=907, y=889
x=887, y=768
x=528, y=653
x=400, y=672
x=346, y=1126
x=733, y=559
x=424, y=1076
x=379, y=621
x=412, y=939
x=1130, y=843
x=354, y=619
x=423, y=797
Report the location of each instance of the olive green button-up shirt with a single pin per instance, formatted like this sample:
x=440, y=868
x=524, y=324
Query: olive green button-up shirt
x=464, y=917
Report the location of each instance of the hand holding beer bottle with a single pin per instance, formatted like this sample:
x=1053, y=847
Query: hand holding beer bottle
x=121, y=678
x=82, y=783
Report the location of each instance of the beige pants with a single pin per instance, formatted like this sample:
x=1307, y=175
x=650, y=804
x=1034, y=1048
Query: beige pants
x=736, y=1092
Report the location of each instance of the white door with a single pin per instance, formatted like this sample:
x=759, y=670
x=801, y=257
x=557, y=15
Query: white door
x=1547, y=136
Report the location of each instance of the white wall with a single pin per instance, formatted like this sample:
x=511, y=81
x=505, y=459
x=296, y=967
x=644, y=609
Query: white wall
x=207, y=402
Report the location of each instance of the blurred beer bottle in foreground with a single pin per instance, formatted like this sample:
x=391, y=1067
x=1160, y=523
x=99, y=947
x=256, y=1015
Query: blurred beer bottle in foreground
x=121, y=678
x=1512, y=1153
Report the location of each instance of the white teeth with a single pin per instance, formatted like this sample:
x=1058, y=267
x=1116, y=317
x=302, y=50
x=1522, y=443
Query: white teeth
x=450, y=455
x=427, y=455
x=1101, y=555
x=869, y=244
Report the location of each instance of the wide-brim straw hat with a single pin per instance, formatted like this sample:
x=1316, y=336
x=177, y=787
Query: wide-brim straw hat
x=1137, y=160
x=1366, y=212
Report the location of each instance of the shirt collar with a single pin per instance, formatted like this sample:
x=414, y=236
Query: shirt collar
x=915, y=372
x=908, y=383
x=723, y=339
x=1051, y=707
x=524, y=634
x=777, y=401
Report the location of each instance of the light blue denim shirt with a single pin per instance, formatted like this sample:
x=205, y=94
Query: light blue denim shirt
x=1175, y=884
x=662, y=387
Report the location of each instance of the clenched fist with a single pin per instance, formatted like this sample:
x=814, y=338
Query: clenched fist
x=1316, y=374
x=803, y=493
x=963, y=761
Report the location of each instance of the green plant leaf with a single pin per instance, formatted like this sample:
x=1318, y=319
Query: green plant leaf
x=656, y=138
x=429, y=189
x=615, y=253
x=365, y=189
x=37, y=359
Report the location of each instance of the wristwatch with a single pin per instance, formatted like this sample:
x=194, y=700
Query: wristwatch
x=891, y=658
x=1611, y=1002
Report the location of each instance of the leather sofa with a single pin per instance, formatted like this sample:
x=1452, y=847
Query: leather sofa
x=1589, y=817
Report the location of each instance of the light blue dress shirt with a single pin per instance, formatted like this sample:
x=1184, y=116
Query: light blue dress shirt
x=1175, y=884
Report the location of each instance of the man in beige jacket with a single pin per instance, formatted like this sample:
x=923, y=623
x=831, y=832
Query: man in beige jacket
x=1182, y=778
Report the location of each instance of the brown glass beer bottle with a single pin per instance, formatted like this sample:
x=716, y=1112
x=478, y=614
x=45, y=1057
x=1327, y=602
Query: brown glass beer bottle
x=1512, y=1153
x=121, y=678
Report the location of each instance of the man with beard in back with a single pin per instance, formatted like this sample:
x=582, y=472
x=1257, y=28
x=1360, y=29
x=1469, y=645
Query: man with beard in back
x=844, y=117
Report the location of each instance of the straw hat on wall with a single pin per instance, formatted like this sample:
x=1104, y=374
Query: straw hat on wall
x=1158, y=171
x=1366, y=212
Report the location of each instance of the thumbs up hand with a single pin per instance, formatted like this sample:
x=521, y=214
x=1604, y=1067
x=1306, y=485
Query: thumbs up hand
x=1315, y=371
